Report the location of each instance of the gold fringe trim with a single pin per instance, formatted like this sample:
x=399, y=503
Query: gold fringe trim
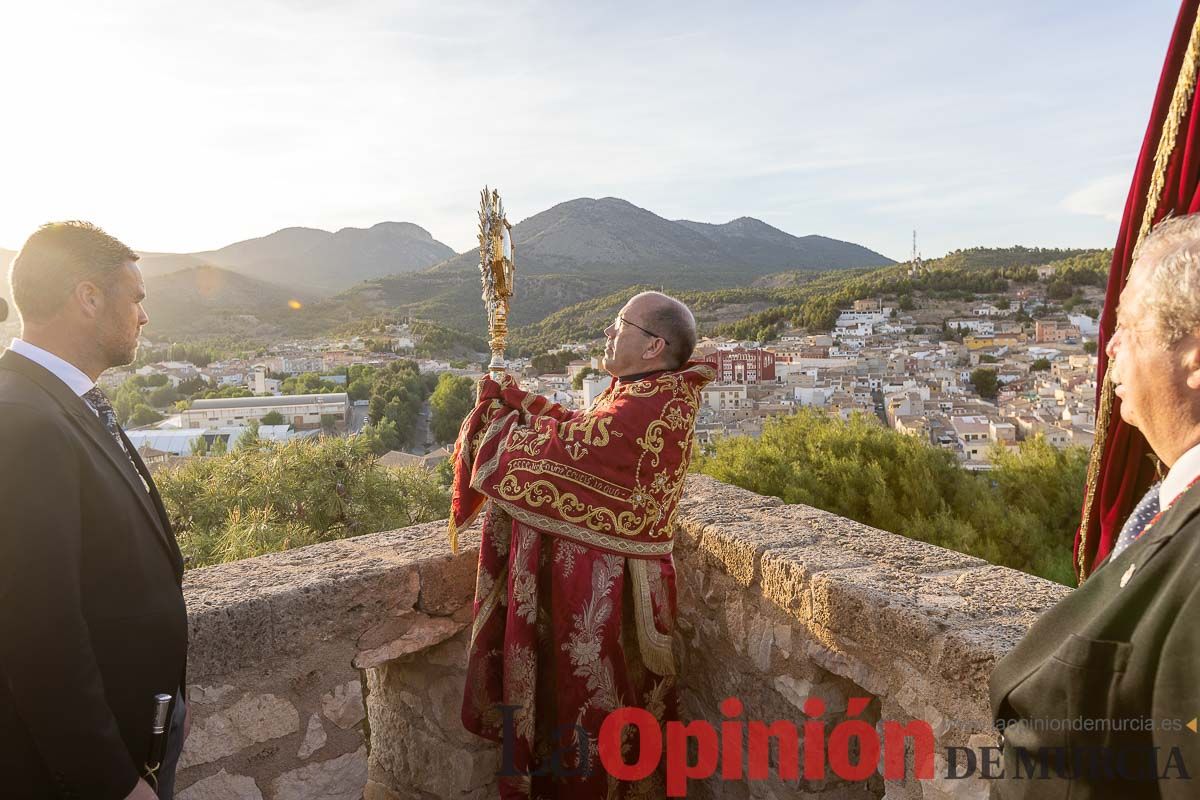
x=453, y=536
x=1185, y=86
x=657, y=654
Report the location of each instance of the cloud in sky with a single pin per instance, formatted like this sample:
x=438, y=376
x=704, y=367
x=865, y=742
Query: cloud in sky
x=1103, y=197
x=188, y=126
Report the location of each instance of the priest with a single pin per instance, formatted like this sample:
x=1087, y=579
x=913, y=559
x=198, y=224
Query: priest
x=575, y=597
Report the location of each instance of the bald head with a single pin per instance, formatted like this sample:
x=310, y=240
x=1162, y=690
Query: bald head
x=651, y=332
x=670, y=319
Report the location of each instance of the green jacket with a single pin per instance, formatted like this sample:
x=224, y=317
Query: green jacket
x=1121, y=655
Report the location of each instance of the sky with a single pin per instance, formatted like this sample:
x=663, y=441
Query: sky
x=186, y=126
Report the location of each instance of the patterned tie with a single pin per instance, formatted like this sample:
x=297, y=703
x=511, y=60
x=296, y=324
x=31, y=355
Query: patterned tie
x=108, y=417
x=1146, y=510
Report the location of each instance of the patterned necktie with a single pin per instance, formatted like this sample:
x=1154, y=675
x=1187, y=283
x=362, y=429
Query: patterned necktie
x=1146, y=510
x=108, y=417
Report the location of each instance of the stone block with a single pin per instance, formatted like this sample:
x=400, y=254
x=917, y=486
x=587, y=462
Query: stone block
x=251, y=720
x=344, y=705
x=762, y=636
x=314, y=737
x=222, y=786
x=403, y=635
x=341, y=778
x=208, y=695
x=447, y=584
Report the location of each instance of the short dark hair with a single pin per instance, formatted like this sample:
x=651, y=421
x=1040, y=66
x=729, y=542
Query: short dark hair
x=673, y=321
x=56, y=258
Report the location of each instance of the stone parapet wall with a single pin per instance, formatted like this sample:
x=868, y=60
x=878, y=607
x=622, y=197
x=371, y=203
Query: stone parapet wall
x=284, y=649
x=779, y=603
x=336, y=671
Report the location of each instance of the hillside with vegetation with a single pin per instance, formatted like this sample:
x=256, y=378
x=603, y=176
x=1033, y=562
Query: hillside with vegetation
x=811, y=300
x=961, y=275
x=203, y=302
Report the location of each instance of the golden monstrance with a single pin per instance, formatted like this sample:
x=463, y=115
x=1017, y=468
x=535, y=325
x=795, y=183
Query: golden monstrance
x=496, y=271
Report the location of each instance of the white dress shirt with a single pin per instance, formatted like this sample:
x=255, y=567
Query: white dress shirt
x=1184, y=471
x=65, y=371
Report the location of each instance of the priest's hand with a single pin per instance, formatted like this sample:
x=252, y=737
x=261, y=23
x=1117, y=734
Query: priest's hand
x=492, y=389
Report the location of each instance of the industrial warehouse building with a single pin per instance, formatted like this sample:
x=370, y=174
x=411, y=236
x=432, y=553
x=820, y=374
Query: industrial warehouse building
x=301, y=411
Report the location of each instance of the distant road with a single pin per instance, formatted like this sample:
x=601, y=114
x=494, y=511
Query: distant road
x=422, y=433
x=358, y=418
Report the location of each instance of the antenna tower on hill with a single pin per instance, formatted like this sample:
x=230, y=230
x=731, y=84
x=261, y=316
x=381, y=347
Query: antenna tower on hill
x=915, y=265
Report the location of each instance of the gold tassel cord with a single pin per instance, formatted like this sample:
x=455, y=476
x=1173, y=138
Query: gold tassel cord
x=453, y=537
x=1181, y=100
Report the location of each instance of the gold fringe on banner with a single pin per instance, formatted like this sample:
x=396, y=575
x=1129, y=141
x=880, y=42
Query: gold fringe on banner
x=1181, y=100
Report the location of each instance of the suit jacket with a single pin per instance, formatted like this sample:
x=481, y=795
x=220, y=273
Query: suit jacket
x=92, y=619
x=1120, y=654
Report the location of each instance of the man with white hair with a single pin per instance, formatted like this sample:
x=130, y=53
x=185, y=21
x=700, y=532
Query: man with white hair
x=1103, y=692
x=575, y=596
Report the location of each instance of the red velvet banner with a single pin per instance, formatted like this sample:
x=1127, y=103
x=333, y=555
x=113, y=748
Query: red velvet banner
x=1125, y=467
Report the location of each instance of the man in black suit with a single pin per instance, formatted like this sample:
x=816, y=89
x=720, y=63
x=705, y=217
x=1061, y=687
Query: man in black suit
x=92, y=619
x=1108, y=681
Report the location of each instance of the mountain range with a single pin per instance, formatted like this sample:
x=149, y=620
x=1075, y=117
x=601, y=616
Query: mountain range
x=609, y=234
x=316, y=260
x=588, y=248
x=574, y=251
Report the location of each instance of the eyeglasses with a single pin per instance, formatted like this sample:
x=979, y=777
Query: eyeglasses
x=643, y=330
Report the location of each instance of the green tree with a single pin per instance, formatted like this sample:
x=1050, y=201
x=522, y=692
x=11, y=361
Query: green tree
x=308, y=383
x=283, y=495
x=227, y=393
x=1022, y=514
x=328, y=423
x=398, y=392
x=445, y=473
x=451, y=401
x=381, y=437
x=144, y=415
x=1040, y=365
x=193, y=386
x=249, y=437
x=378, y=345
x=163, y=396
x=272, y=418
x=199, y=446
x=1090, y=347
x=985, y=383
x=551, y=362
x=1059, y=289
x=359, y=389
x=581, y=376
x=126, y=399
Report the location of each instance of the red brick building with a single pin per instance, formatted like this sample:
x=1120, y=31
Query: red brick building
x=742, y=366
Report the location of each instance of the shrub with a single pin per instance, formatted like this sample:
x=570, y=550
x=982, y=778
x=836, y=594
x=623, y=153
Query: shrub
x=1021, y=515
x=272, y=497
